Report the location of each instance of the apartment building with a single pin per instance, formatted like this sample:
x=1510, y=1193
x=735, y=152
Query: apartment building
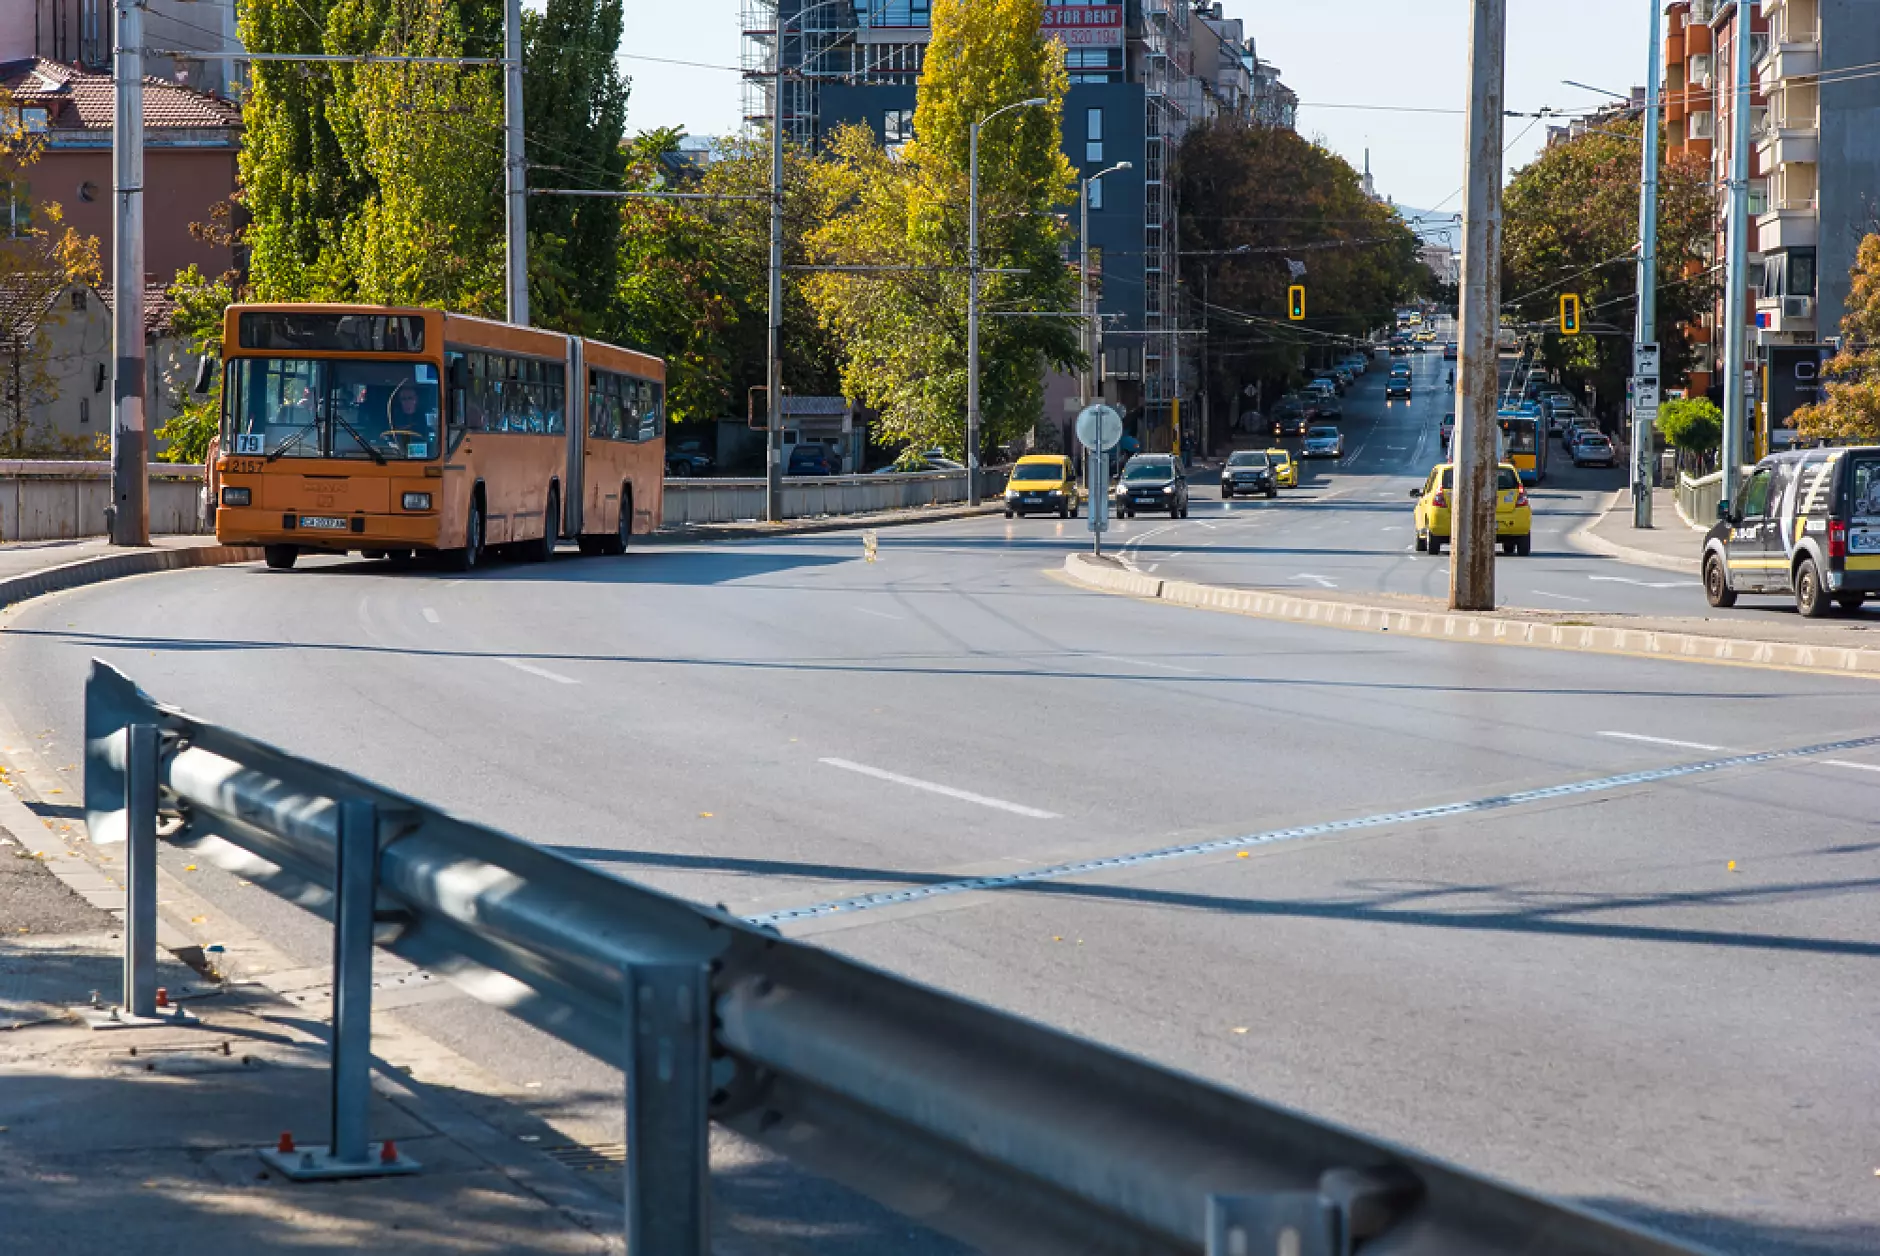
x=77, y=33
x=1142, y=74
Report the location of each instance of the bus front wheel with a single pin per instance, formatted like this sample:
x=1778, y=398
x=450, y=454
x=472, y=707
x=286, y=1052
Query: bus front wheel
x=467, y=558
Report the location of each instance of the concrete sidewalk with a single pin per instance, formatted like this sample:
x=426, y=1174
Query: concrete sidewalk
x=1670, y=544
x=145, y=1140
x=30, y=569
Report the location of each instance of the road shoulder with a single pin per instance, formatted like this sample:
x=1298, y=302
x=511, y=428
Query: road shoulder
x=1671, y=544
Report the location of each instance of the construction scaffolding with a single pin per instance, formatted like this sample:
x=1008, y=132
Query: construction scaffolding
x=882, y=41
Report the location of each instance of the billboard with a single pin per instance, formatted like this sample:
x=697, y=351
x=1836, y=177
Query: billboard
x=1792, y=380
x=1085, y=25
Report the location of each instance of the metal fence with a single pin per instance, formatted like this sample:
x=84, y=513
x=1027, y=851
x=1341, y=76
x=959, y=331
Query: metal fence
x=1698, y=498
x=806, y=497
x=1012, y=1136
x=54, y=501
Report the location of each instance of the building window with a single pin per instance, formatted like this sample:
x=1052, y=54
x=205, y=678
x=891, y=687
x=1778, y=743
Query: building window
x=78, y=299
x=84, y=409
x=897, y=126
x=1096, y=193
x=1093, y=136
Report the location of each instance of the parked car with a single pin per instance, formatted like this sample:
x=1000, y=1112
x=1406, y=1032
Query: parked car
x=1324, y=441
x=1594, y=449
x=1153, y=482
x=1248, y=471
x=1043, y=483
x=688, y=458
x=810, y=458
x=1804, y=523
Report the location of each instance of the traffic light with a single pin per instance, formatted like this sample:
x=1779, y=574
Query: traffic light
x=1296, y=303
x=1569, y=314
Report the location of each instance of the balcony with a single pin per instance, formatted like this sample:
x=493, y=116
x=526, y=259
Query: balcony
x=1778, y=318
x=1782, y=145
x=1788, y=224
x=1790, y=59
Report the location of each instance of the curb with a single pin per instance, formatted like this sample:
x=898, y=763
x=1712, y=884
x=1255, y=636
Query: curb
x=1585, y=538
x=118, y=566
x=757, y=531
x=1478, y=629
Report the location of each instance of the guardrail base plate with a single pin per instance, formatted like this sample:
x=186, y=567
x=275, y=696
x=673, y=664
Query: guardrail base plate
x=314, y=1163
x=119, y=1018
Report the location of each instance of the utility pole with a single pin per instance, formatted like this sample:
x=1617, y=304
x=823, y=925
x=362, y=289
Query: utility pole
x=515, y=174
x=1736, y=248
x=773, y=353
x=1644, y=418
x=1086, y=297
x=130, y=442
x=1472, y=520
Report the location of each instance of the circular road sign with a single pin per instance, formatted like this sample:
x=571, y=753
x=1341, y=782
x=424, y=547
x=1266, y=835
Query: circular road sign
x=1100, y=427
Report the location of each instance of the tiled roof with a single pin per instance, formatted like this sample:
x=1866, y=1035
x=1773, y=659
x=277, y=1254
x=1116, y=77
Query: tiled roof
x=158, y=308
x=23, y=302
x=810, y=406
x=82, y=100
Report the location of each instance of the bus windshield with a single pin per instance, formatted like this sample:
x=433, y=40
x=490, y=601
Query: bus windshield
x=1519, y=434
x=320, y=408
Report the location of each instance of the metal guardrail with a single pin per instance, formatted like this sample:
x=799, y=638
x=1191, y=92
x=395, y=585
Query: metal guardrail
x=1010, y=1135
x=1698, y=498
x=806, y=497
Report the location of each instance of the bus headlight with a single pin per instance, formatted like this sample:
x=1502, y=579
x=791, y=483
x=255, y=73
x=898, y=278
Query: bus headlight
x=417, y=501
x=236, y=497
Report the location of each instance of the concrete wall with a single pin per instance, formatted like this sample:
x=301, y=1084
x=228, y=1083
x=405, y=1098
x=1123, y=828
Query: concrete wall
x=50, y=501
x=732, y=501
x=1850, y=149
x=67, y=411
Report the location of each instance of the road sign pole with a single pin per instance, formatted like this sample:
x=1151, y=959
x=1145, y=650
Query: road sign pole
x=1099, y=429
x=1643, y=421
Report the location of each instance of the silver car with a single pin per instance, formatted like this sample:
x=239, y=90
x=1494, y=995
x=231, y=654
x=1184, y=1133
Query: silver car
x=1324, y=442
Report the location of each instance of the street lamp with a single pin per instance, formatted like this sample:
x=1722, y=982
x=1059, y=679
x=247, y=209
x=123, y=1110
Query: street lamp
x=972, y=296
x=1083, y=277
x=773, y=364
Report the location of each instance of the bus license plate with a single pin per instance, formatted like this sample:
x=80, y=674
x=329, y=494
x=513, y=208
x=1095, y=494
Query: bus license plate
x=327, y=522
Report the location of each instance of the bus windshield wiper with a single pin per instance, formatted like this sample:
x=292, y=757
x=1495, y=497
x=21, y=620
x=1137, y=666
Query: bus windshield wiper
x=353, y=432
x=293, y=440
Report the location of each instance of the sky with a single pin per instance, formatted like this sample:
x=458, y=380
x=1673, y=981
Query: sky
x=1388, y=55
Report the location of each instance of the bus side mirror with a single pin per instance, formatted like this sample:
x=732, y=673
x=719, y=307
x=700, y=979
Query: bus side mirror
x=205, y=374
x=459, y=374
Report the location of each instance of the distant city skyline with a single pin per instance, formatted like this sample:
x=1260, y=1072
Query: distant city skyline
x=1368, y=54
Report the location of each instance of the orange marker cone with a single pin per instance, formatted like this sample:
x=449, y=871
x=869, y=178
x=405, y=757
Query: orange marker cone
x=163, y=996
x=388, y=1154
x=286, y=1145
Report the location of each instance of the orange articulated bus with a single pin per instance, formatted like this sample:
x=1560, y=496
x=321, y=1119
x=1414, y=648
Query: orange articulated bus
x=399, y=432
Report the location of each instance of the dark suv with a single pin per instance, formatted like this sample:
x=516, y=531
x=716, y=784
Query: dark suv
x=1153, y=482
x=1248, y=471
x=1804, y=523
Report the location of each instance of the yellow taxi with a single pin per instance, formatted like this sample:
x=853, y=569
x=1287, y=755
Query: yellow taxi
x=1043, y=484
x=1285, y=470
x=1514, y=518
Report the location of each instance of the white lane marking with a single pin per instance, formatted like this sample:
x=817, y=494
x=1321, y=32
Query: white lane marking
x=1322, y=581
x=1849, y=763
x=1388, y=819
x=914, y=782
x=543, y=672
x=1645, y=584
x=1167, y=667
x=431, y=615
x=878, y=614
x=1663, y=741
x=1177, y=554
x=1559, y=597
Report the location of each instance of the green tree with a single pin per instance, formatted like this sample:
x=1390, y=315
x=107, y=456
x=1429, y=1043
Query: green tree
x=1256, y=198
x=1850, y=413
x=1571, y=220
x=693, y=276
x=903, y=331
x=1693, y=426
x=200, y=303
x=575, y=102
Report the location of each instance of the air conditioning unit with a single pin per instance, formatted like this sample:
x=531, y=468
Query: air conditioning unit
x=1759, y=119
x=1798, y=307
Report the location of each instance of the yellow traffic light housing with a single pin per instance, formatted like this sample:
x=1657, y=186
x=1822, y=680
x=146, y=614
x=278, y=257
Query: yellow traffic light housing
x=1296, y=303
x=1569, y=314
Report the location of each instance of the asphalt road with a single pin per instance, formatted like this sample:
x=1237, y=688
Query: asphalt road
x=1654, y=997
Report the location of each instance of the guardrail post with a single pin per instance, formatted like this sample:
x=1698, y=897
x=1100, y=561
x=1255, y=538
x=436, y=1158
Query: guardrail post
x=356, y=884
x=668, y=1172
x=140, y=867
x=1285, y=1223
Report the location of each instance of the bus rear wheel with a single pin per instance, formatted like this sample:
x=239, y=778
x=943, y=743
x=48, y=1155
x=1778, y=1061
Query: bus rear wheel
x=544, y=549
x=280, y=557
x=623, y=532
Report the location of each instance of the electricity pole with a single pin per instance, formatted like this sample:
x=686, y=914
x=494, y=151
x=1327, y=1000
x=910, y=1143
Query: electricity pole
x=1736, y=247
x=1647, y=328
x=515, y=174
x=130, y=443
x=1472, y=519
x=972, y=295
